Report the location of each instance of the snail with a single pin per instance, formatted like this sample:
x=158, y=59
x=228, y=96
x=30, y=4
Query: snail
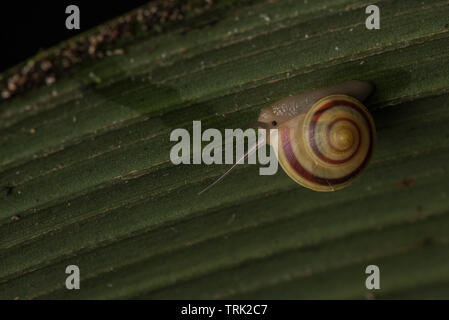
x=325, y=137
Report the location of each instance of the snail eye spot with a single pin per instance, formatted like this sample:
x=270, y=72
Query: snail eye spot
x=274, y=123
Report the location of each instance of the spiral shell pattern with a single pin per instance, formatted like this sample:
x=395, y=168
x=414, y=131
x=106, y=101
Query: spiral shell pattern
x=330, y=145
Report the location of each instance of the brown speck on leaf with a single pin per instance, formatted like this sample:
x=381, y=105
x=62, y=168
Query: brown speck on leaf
x=46, y=65
x=50, y=80
x=426, y=241
x=370, y=296
x=65, y=63
x=231, y=219
x=8, y=190
x=6, y=94
x=407, y=183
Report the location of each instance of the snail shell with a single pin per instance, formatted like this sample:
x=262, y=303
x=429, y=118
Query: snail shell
x=325, y=137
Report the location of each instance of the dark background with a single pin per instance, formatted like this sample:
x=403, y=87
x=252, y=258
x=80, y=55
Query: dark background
x=27, y=26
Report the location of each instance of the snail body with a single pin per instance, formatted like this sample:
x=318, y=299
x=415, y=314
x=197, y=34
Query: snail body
x=325, y=137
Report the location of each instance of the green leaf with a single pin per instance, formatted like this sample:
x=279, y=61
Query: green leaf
x=87, y=180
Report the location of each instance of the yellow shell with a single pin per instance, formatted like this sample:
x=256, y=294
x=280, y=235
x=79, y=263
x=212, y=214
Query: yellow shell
x=327, y=147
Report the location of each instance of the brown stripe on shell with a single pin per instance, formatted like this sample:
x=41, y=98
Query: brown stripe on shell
x=318, y=114
x=294, y=163
x=317, y=151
